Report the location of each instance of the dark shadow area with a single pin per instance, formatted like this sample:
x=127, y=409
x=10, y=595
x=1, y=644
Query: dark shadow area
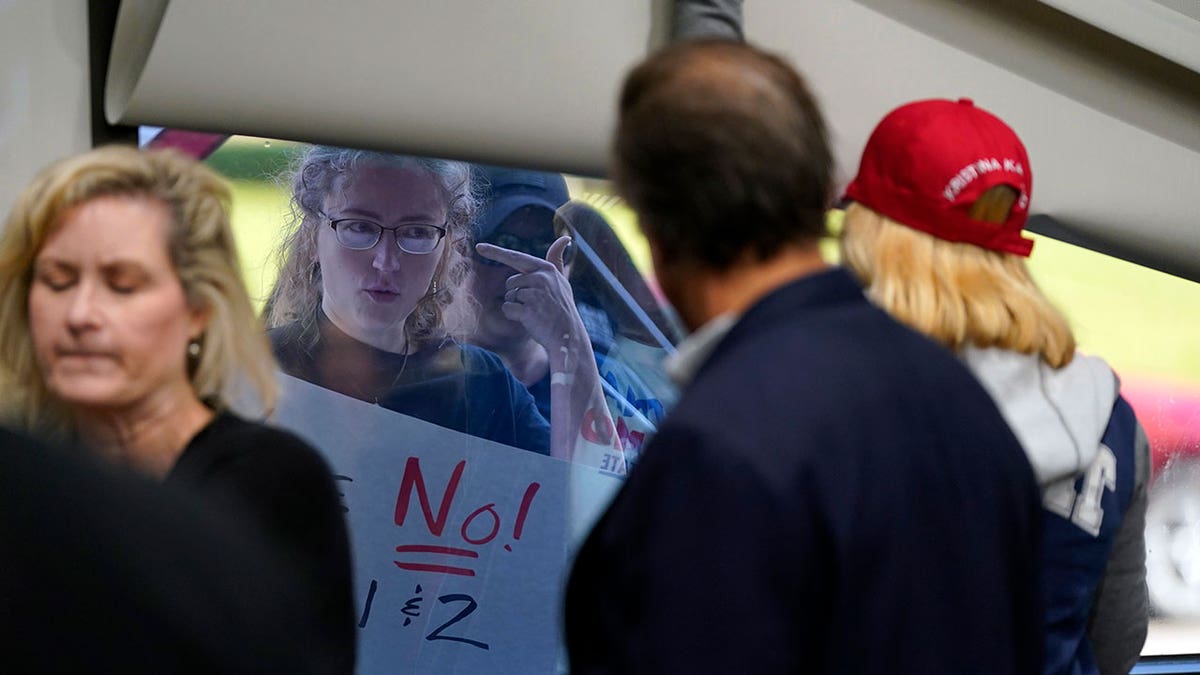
x=102, y=21
x=1086, y=237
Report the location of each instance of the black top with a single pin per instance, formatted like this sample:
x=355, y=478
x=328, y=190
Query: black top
x=281, y=486
x=834, y=493
x=456, y=386
x=105, y=572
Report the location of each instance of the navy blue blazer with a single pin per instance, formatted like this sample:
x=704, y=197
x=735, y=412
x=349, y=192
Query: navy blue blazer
x=834, y=493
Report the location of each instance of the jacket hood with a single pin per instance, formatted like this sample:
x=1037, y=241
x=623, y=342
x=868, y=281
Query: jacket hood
x=1059, y=416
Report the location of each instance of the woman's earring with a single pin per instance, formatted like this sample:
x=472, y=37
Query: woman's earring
x=433, y=289
x=193, y=349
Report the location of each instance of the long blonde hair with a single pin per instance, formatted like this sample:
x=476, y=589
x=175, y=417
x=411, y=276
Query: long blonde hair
x=957, y=293
x=234, y=349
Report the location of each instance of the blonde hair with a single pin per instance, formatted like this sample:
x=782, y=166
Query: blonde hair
x=298, y=289
x=234, y=349
x=957, y=293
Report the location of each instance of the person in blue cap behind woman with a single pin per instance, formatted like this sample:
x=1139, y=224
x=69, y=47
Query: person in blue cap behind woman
x=526, y=309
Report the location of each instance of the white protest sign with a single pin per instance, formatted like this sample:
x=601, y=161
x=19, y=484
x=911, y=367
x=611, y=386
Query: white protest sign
x=461, y=545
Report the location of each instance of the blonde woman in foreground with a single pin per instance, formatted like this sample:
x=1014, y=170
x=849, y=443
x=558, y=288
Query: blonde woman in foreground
x=127, y=327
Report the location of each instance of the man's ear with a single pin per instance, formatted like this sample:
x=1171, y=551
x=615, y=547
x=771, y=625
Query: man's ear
x=656, y=254
x=667, y=274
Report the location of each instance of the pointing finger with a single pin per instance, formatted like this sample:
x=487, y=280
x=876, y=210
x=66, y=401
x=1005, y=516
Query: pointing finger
x=521, y=262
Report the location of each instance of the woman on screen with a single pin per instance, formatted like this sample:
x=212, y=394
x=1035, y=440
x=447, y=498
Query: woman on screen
x=128, y=330
x=370, y=299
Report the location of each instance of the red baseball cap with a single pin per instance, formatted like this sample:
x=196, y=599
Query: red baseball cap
x=928, y=161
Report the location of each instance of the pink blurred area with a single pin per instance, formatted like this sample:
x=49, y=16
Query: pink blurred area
x=193, y=143
x=1170, y=413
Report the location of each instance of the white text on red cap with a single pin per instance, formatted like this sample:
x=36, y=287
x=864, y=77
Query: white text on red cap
x=975, y=169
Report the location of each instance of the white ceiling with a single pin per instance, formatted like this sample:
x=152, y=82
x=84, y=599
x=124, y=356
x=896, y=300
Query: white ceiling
x=1112, y=127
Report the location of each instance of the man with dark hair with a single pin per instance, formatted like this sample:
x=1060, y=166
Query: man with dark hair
x=757, y=130
x=833, y=493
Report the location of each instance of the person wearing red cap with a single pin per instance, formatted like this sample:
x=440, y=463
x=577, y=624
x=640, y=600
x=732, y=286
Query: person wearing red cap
x=832, y=492
x=934, y=233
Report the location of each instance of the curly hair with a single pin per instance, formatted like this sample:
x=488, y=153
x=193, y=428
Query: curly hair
x=200, y=244
x=298, y=290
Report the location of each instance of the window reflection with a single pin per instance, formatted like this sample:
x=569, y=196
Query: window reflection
x=459, y=518
x=1137, y=319
x=1170, y=411
x=1131, y=315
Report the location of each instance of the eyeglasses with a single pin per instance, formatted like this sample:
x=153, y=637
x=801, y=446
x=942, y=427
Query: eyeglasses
x=357, y=234
x=537, y=248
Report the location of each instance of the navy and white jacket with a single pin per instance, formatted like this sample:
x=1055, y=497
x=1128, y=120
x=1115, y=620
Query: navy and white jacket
x=1092, y=462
